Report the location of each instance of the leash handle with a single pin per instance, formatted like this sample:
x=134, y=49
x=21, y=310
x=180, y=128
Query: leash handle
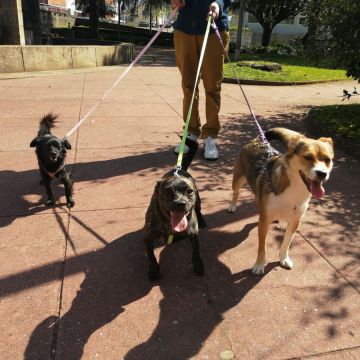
x=187, y=121
x=137, y=58
x=262, y=134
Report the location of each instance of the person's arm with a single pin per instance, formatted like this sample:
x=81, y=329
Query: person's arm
x=177, y=4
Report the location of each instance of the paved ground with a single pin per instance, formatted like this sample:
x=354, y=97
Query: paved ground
x=74, y=284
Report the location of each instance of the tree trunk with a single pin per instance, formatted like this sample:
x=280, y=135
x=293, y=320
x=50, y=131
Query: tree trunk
x=94, y=18
x=32, y=19
x=266, y=36
x=150, y=17
x=119, y=20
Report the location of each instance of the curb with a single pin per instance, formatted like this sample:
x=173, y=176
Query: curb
x=278, y=83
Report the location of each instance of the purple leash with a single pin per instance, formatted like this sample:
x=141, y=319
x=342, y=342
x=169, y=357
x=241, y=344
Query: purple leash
x=262, y=134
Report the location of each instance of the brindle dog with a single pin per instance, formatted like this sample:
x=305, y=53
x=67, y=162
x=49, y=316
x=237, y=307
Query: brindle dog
x=175, y=208
x=51, y=154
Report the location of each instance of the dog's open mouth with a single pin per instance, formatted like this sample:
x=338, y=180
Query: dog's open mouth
x=179, y=221
x=315, y=187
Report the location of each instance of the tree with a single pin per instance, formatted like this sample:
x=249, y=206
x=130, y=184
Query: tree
x=271, y=13
x=152, y=5
x=338, y=29
x=95, y=9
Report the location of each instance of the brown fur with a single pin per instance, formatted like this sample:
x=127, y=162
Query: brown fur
x=282, y=182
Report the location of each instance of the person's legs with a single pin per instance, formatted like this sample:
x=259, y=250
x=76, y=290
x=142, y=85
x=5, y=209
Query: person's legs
x=212, y=75
x=187, y=57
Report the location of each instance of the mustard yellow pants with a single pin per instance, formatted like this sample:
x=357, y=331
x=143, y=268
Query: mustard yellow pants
x=187, y=52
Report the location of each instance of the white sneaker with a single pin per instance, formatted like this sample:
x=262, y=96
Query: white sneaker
x=211, y=152
x=186, y=148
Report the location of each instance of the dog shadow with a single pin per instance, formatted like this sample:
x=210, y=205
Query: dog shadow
x=192, y=307
x=117, y=276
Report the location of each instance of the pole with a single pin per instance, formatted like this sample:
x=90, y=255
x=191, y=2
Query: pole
x=239, y=30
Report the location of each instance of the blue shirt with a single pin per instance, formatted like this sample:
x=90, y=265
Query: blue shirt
x=192, y=18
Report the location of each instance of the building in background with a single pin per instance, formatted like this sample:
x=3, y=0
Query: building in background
x=290, y=29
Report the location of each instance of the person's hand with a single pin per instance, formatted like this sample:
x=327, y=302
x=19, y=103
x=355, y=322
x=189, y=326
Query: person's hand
x=178, y=4
x=214, y=10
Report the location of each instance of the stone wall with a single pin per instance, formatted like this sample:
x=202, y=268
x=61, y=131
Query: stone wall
x=39, y=58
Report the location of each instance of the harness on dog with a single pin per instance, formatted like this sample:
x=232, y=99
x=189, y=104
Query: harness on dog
x=187, y=121
x=261, y=131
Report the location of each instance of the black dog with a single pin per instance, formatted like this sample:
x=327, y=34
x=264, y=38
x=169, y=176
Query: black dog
x=175, y=208
x=51, y=153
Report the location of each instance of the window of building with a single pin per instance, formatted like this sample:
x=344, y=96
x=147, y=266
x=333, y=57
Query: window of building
x=302, y=19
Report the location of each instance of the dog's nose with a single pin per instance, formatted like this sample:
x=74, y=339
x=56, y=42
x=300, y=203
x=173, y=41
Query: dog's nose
x=179, y=204
x=320, y=174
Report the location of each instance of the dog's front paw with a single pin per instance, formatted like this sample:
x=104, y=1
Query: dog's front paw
x=286, y=263
x=50, y=202
x=154, y=272
x=232, y=208
x=258, y=269
x=198, y=267
x=70, y=203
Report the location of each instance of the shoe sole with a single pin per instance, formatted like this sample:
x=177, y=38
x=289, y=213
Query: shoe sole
x=211, y=159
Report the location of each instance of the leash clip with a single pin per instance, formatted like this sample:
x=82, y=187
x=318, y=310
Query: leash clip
x=177, y=168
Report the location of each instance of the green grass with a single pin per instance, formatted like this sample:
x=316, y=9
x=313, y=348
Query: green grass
x=294, y=68
x=341, y=120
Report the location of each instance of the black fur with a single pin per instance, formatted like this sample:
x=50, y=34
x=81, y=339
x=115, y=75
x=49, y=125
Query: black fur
x=175, y=192
x=51, y=154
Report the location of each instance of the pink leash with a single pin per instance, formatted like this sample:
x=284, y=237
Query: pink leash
x=142, y=52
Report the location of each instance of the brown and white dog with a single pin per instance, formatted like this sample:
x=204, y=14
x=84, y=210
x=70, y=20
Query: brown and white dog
x=283, y=184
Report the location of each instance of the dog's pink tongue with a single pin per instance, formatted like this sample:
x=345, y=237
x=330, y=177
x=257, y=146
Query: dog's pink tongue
x=316, y=189
x=179, y=221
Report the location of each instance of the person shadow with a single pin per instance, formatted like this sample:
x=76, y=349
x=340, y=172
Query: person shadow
x=116, y=276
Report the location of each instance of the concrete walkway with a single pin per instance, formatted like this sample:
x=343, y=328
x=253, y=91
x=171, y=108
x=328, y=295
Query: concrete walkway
x=73, y=285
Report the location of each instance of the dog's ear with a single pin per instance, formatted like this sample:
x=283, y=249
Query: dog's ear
x=327, y=140
x=293, y=142
x=157, y=187
x=65, y=143
x=34, y=142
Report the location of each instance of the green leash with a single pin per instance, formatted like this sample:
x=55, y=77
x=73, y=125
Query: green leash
x=182, y=145
x=187, y=121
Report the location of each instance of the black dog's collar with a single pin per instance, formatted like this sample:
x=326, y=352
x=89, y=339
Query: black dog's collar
x=53, y=174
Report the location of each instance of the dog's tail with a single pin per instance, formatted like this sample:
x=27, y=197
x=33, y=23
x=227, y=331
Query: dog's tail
x=46, y=124
x=189, y=156
x=286, y=136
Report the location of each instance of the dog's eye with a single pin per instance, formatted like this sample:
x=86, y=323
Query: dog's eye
x=189, y=191
x=309, y=157
x=327, y=161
